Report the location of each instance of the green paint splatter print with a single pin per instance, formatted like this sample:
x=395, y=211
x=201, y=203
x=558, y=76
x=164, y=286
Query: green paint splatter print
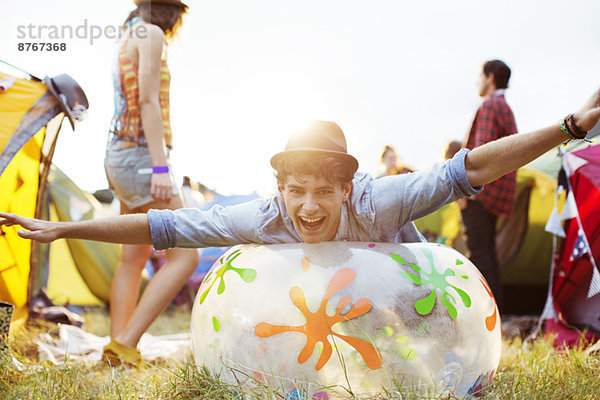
x=247, y=274
x=216, y=324
x=425, y=305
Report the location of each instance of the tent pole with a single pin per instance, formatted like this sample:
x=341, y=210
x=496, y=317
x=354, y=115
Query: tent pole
x=46, y=160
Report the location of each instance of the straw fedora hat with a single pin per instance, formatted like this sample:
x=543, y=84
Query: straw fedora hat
x=317, y=136
x=172, y=2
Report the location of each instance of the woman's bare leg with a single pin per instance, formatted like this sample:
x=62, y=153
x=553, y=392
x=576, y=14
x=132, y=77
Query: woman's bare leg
x=161, y=290
x=125, y=287
x=163, y=287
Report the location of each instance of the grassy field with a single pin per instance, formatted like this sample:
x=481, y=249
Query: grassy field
x=539, y=372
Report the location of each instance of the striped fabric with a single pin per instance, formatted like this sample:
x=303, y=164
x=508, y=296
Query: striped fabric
x=126, y=120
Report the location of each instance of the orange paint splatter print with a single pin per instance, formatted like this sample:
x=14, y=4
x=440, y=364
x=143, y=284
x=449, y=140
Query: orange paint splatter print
x=305, y=264
x=319, y=325
x=490, y=320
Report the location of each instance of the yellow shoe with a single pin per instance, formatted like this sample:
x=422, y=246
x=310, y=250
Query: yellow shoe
x=116, y=354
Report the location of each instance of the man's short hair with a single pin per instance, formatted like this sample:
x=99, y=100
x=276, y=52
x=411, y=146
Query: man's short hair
x=500, y=70
x=334, y=169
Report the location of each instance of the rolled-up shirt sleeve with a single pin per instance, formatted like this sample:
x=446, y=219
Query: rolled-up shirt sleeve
x=458, y=173
x=162, y=228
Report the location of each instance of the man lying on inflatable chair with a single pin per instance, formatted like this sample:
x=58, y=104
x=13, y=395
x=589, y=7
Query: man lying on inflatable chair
x=321, y=198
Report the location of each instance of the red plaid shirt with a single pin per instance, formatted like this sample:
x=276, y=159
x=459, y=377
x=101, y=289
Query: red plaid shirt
x=493, y=120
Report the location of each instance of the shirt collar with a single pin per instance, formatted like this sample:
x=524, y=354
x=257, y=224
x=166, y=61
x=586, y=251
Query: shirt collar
x=498, y=92
x=341, y=234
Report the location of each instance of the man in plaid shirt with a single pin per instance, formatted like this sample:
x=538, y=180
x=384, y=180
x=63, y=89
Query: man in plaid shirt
x=493, y=120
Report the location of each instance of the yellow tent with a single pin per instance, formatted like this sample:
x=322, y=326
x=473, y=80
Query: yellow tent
x=26, y=113
x=79, y=272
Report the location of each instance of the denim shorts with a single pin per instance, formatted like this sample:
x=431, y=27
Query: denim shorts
x=124, y=178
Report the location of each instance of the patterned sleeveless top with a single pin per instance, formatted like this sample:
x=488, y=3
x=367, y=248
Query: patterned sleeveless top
x=126, y=121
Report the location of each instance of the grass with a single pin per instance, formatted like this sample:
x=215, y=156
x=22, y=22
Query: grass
x=537, y=372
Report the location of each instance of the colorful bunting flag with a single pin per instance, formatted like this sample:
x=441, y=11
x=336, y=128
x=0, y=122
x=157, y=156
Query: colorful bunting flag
x=570, y=208
x=580, y=248
x=554, y=224
x=573, y=163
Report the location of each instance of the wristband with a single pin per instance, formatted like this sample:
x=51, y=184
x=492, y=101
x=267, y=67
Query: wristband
x=577, y=131
x=572, y=131
x=160, y=169
x=565, y=129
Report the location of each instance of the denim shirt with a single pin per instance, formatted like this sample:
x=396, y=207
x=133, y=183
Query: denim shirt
x=378, y=210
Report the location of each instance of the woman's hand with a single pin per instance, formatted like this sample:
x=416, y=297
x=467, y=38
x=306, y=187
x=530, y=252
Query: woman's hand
x=161, y=188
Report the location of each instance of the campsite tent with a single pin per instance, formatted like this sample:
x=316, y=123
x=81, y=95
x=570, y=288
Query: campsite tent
x=74, y=271
x=524, y=247
x=30, y=118
x=573, y=303
x=31, y=115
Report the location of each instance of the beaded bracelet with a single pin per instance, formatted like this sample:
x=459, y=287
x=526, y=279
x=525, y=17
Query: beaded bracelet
x=568, y=130
x=565, y=129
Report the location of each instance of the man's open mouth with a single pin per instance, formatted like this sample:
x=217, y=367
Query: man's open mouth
x=311, y=223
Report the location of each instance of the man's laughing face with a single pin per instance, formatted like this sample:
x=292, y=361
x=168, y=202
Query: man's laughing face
x=314, y=205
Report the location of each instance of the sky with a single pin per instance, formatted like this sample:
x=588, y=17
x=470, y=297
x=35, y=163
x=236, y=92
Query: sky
x=245, y=73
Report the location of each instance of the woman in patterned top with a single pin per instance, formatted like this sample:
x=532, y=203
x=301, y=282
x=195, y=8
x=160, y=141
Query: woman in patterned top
x=138, y=170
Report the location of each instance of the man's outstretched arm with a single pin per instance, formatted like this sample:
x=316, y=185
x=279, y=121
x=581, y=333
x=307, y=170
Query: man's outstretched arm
x=124, y=229
x=487, y=163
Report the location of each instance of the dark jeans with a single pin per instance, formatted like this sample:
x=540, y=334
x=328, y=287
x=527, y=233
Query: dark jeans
x=480, y=230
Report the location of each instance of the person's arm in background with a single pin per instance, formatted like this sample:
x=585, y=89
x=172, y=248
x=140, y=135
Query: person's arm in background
x=150, y=50
x=124, y=229
x=492, y=160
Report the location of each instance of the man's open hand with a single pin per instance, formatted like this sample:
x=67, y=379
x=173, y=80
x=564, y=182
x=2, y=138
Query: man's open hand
x=42, y=231
x=587, y=117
